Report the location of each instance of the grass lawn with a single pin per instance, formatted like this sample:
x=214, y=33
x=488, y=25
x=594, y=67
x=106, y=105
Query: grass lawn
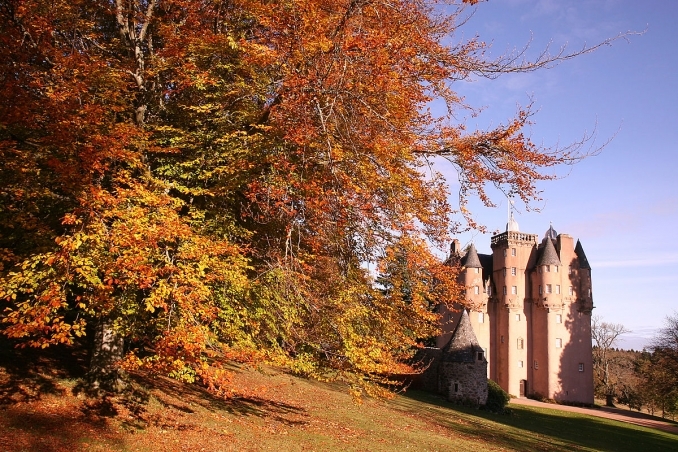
x=41, y=409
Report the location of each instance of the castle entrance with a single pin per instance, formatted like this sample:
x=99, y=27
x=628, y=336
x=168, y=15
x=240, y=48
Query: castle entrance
x=523, y=388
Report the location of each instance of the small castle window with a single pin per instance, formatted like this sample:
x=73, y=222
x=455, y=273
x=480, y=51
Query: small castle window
x=541, y=290
x=548, y=268
x=517, y=317
x=521, y=343
x=557, y=288
x=559, y=318
x=456, y=387
x=513, y=251
x=589, y=292
x=504, y=290
x=571, y=290
x=476, y=290
x=520, y=364
x=548, y=288
x=480, y=356
x=514, y=290
x=555, y=269
x=489, y=289
x=559, y=343
x=536, y=365
x=502, y=339
x=581, y=367
x=513, y=271
x=481, y=317
x=504, y=272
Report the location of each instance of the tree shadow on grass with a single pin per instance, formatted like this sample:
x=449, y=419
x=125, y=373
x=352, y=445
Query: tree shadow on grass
x=528, y=429
x=26, y=374
x=183, y=395
x=28, y=430
x=32, y=415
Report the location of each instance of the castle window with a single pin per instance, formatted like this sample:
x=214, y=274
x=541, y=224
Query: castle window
x=581, y=367
x=589, y=292
x=559, y=343
x=559, y=318
x=481, y=317
x=540, y=290
x=571, y=290
x=514, y=290
x=517, y=317
x=477, y=270
x=548, y=288
x=489, y=289
x=536, y=365
x=521, y=343
x=513, y=251
x=504, y=272
x=504, y=290
x=520, y=364
x=555, y=269
x=513, y=271
x=502, y=339
x=480, y=356
x=476, y=290
x=456, y=387
x=557, y=288
x=548, y=268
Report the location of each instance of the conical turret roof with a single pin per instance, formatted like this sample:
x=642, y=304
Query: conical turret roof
x=583, y=261
x=471, y=260
x=463, y=344
x=549, y=256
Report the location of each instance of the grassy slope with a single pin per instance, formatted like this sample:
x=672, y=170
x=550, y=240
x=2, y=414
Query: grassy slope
x=41, y=409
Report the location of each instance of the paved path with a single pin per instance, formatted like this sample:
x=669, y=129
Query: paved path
x=617, y=414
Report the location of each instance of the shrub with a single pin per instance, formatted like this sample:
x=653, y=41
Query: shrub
x=497, y=398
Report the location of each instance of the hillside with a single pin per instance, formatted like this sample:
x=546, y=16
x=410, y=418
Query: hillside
x=43, y=409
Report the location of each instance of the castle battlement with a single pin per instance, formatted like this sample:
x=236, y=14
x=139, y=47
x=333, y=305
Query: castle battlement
x=513, y=236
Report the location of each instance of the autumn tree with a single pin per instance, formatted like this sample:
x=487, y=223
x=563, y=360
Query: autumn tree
x=188, y=182
x=605, y=361
x=658, y=370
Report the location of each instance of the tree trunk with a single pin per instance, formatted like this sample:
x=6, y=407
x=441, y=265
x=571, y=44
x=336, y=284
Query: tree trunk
x=104, y=372
x=609, y=400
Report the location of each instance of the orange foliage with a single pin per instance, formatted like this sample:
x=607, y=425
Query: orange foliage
x=214, y=176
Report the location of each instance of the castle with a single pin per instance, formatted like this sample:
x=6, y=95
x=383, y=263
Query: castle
x=529, y=304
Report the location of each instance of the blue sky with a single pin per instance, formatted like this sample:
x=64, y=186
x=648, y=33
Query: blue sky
x=623, y=203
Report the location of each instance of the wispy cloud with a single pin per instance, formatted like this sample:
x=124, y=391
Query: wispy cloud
x=652, y=261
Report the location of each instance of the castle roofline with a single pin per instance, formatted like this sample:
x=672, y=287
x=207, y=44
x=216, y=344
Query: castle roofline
x=471, y=260
x=581, y=256
x=549, y=255
x=463, y=344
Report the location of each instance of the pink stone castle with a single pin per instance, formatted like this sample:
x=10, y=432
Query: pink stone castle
x=529, y=304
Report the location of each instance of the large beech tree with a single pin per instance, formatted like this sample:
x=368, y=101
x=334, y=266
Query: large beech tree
x=186, y=182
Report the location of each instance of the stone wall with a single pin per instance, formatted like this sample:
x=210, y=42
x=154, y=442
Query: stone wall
x=464, y=382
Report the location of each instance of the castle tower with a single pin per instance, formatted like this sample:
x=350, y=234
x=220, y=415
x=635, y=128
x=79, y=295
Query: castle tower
x=462, y=371
x=512, y=256
x=547, y=316
x=476, y=281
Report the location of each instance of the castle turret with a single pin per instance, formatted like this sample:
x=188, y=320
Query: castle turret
x=547, y=317
x=477, y=281
x=463, y=367
x=585, y=294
